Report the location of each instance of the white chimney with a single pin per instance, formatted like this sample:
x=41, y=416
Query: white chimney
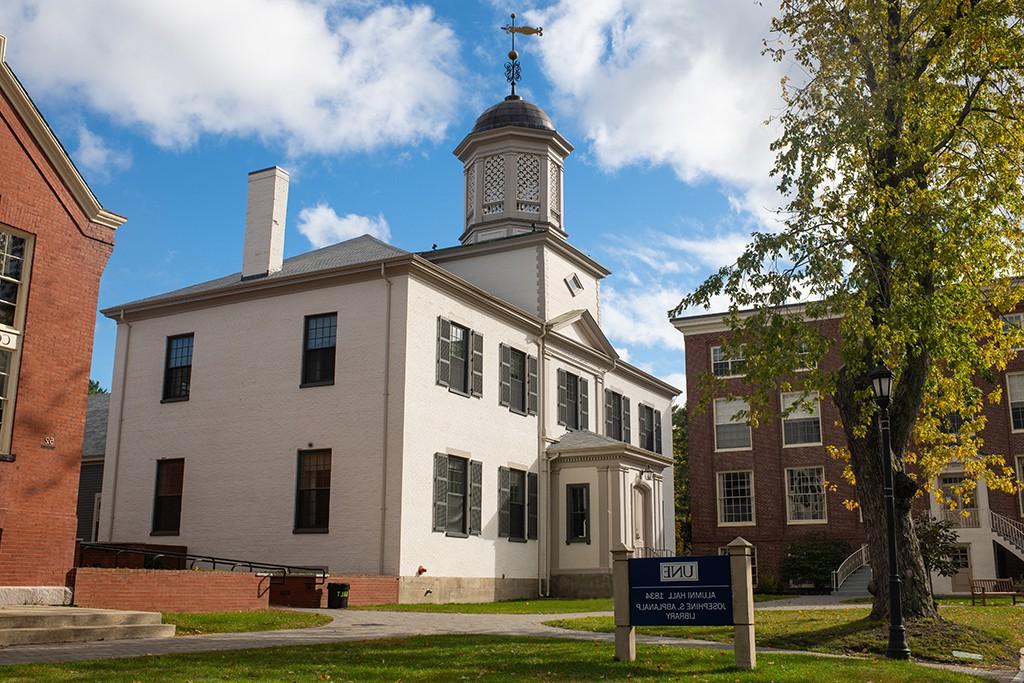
x=264, y=222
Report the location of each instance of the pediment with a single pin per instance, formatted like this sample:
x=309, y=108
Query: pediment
x=580, y=326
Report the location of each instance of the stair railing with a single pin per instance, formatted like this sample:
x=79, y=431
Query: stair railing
x=857, y=559
x=1010, y=530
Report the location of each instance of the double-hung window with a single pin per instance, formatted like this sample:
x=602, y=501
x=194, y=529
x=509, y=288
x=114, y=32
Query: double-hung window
x=577, y=513
x=15, y=258
x=732, y=432
x=801, y=418
x=457, y=495
x=178, y=367
x=460, y=358
x=1014, y=323
x=724, y=365
x=573, y=401
x=616, y=416
x=170, y=475
x=518, y=381
x=318, y=349
x=650, y=428
x=517, y=504
x=313, y=492
x=735, y=498
x=805, y=495
x=1015, y=387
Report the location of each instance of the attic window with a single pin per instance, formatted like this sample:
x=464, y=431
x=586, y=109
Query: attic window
x=574, y=284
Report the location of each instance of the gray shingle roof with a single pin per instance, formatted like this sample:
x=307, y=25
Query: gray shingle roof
x=96, y=425
x=583, y=439
x=362, y=249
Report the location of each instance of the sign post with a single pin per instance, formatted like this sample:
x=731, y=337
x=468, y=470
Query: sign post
x=713, y=590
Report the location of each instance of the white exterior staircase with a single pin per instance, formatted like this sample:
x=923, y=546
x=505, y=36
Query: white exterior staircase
x=852, y=577
x=35, y=625
x=1008, y=532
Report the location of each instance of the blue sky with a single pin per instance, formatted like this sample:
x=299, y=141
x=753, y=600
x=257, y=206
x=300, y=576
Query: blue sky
x=363, y=101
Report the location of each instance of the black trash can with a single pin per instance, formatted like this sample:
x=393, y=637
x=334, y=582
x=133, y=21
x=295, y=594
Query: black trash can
x=337, y=595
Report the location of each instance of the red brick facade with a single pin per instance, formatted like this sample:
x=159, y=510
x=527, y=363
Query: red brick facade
x=364, y=590
x=162, y=590
x=38, y=489
x=771, y=533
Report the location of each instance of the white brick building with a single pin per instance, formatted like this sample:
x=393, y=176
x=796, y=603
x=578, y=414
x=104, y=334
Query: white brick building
x=377, y=411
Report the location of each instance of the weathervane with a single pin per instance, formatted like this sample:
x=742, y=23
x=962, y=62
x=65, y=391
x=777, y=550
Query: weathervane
x=512, y=69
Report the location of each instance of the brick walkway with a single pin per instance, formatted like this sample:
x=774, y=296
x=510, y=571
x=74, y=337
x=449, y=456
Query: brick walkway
x=351, y=625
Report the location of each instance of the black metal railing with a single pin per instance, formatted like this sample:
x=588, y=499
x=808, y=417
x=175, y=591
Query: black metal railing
x=157, y=559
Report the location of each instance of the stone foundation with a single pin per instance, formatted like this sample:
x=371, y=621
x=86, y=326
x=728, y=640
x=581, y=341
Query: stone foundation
x=34, y=595
x=597, y=585
x=445, y=589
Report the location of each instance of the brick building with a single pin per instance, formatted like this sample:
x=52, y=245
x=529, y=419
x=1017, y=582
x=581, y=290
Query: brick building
x=55, y=240
x=771, y=484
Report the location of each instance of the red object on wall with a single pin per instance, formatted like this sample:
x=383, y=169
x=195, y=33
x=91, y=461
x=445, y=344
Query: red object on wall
x=162, y=590
x=42, y=195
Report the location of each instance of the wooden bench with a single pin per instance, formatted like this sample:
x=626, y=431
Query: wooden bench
x=988, y=588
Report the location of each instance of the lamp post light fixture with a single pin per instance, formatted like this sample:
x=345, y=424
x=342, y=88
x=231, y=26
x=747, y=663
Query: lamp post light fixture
x=881, y=382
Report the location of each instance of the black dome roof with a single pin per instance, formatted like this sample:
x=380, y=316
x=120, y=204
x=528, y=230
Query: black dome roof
x=513, y=111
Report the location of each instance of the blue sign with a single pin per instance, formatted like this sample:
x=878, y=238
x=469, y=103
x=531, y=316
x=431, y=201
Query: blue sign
x=680, y=591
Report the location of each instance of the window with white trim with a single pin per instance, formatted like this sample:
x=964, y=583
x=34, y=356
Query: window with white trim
x=573, y=401
x=805, y=495
x=458, y=495
x=460, y=358
x=732, y=432
x=616, y=416
x=1014, y=322
x=1015, y=391
x=724, y=550
x=15, y=261
x=804, y=360
x=802, y=424
x=723, y=365
x=1020, y=478
x=735, y=498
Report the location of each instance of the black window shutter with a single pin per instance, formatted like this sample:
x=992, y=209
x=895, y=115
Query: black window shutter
x=531, y=385
x=584, y=407
x=657, y=431
x=440, y=491
x=531, y=506
x=476, y=474
x=625, y=419
x=608, y=412
x=476, y=365
x=444, y=352
x=568, y=514
x=505, y=376
x=563, y=409
x=504, y=500
x=644, y=427
x=586, y=507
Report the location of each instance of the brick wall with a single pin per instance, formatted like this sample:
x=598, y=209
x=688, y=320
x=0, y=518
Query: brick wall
x=768, y=459
x=38, y=491
x=365, y=590
x=169, y=590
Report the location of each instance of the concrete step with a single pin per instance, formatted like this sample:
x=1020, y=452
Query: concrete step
x=83, y=634
x=40, y=625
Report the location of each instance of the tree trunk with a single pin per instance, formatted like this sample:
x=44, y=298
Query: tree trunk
x=867, y=463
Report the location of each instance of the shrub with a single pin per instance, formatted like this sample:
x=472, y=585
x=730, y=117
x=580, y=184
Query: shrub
x=812, y=560
x=767, y=583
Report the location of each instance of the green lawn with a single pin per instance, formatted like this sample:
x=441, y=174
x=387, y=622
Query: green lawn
x=193, y=624
x=538, y=606
x=947, y=600
x=996, y=633
x=477, y=658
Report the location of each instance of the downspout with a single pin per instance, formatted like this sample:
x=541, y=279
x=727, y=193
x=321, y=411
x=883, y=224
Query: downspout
x=544, y=495
x=120, y=425
x=386, y=401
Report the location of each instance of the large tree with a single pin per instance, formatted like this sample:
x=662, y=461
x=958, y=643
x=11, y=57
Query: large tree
x=681, y=480
x=900, y=163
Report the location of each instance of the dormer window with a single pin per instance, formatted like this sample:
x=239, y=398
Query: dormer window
x=574, y=284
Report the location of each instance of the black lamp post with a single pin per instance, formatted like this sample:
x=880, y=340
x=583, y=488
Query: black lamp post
x=881, y=382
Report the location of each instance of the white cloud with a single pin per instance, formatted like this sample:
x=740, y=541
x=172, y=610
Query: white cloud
x=678, y=380
x=312, y=75
x=639, y=317
x=675, y=82
x=93, y=154
x=322, y=226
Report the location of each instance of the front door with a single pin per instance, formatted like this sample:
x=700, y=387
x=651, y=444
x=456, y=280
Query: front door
x=962, y=578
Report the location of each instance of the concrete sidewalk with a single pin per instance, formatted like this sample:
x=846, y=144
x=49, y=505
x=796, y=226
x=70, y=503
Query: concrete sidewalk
x=353, y=625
